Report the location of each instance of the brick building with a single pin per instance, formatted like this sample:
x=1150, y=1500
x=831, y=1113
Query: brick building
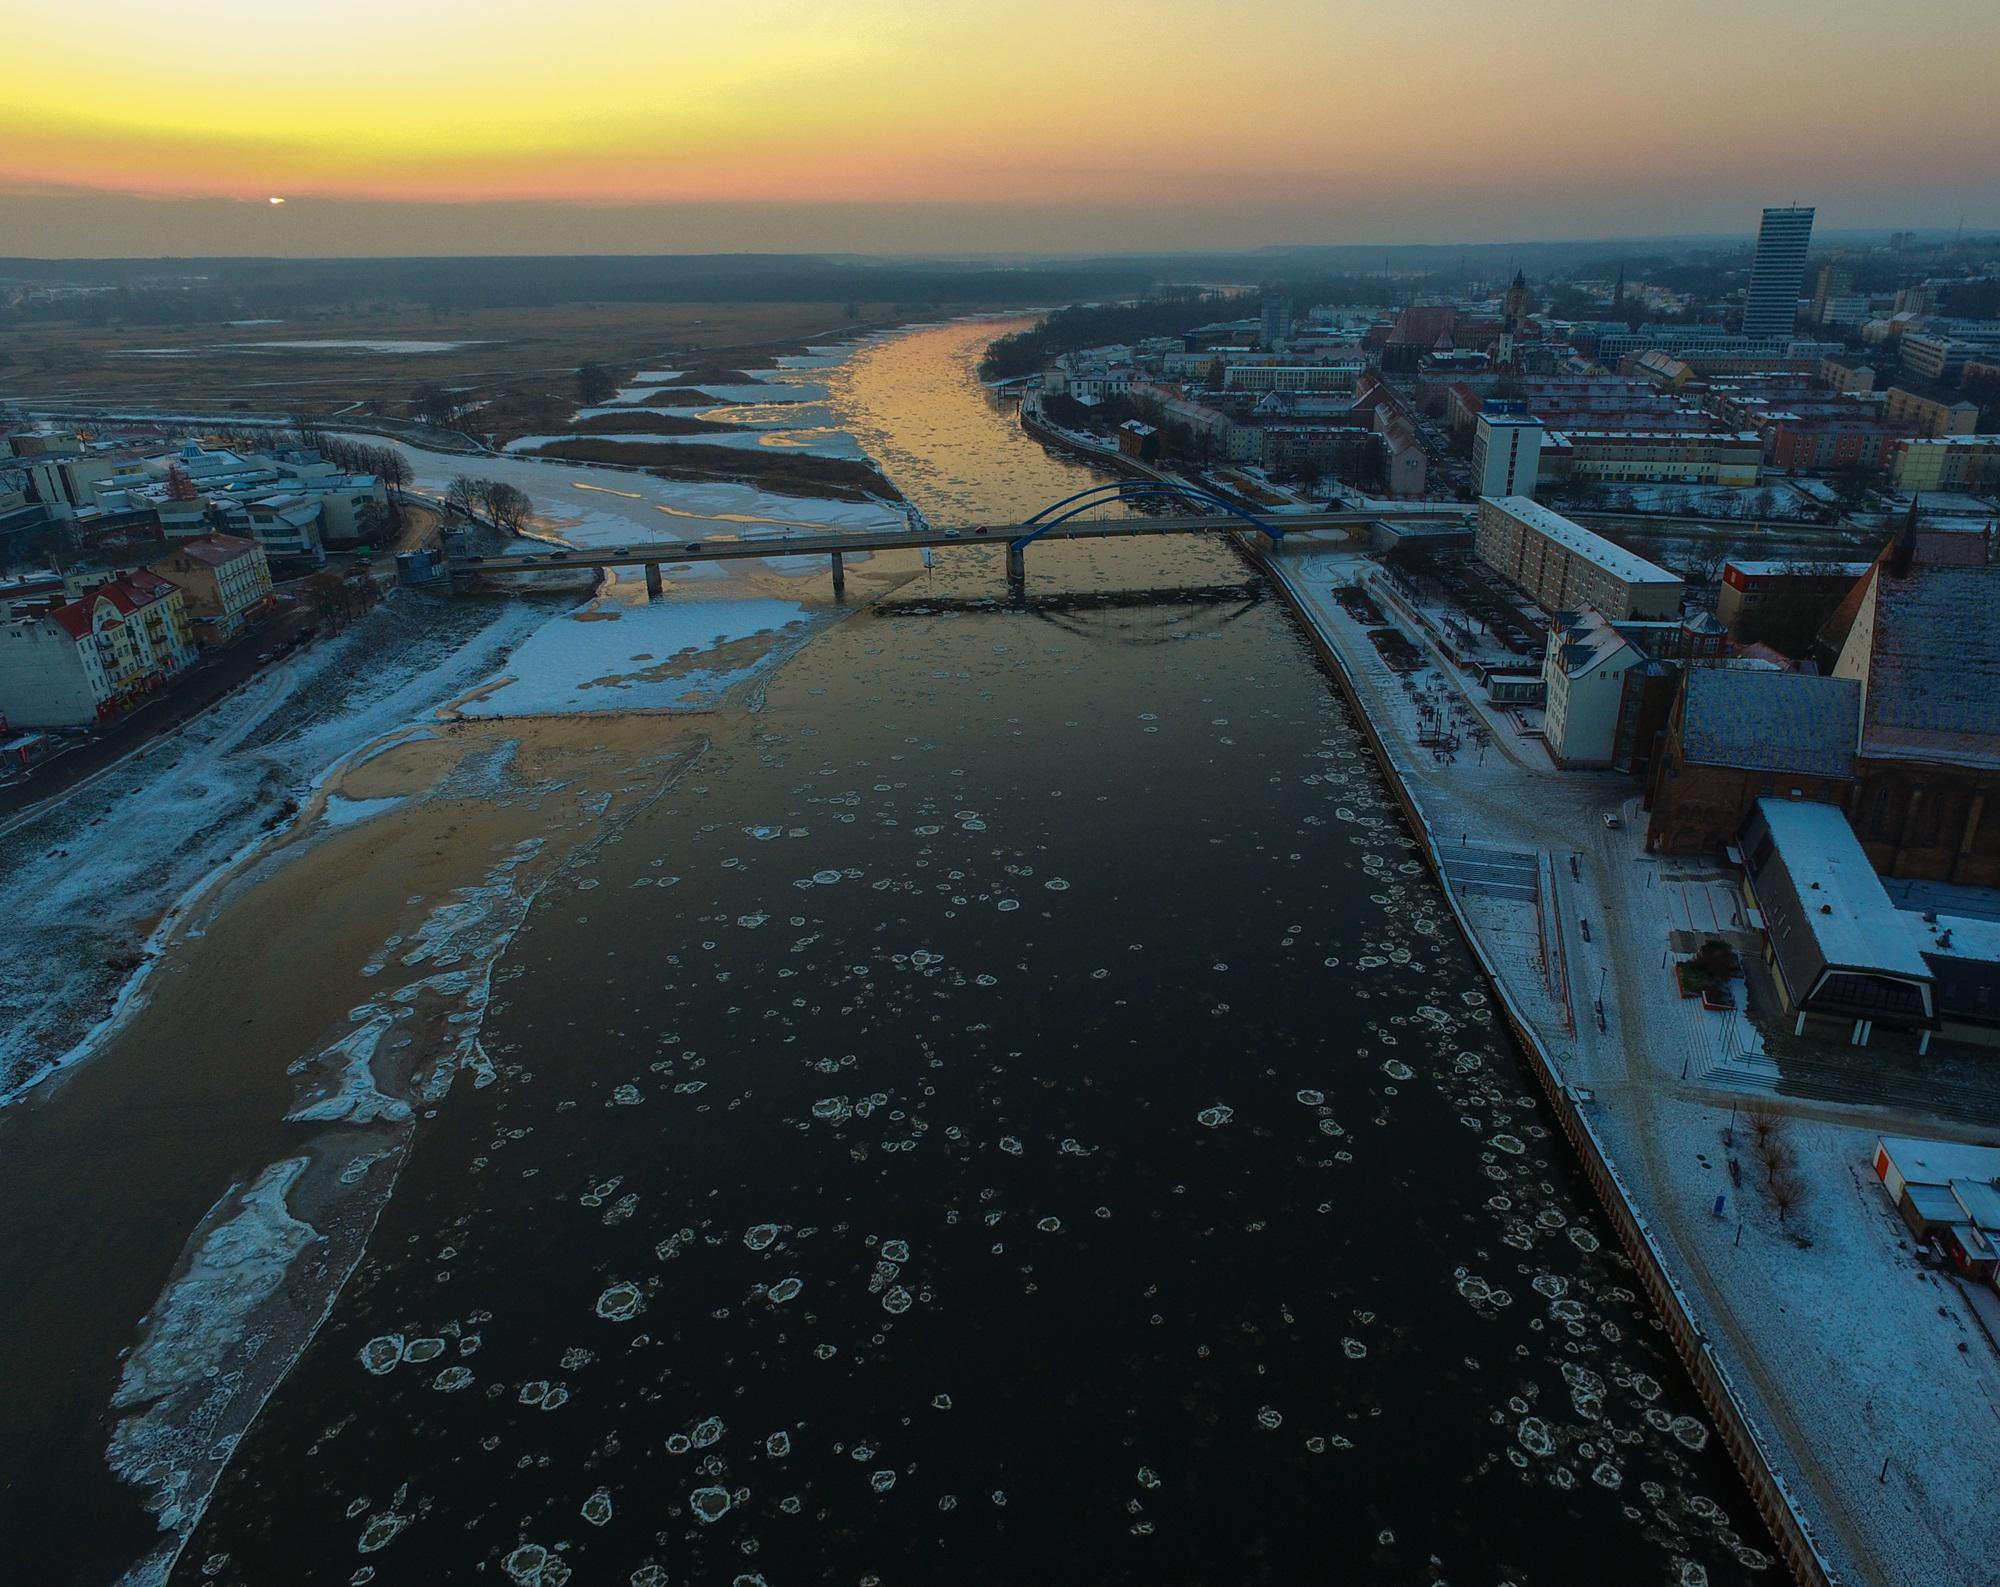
x=1737, y=735
x=1923, y=640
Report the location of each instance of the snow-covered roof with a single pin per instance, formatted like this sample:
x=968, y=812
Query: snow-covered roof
x=1765, y=720
x=1923, y=1162
x=1572, y=536
x=216, y=550
x=1934, y=668
x=1587, y=639
x=1954, y=936
x=1795, y=569
x=1851, y=918
x=1980, y=1199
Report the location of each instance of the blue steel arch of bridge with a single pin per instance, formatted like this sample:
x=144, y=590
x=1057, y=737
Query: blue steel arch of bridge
x=1122, y=490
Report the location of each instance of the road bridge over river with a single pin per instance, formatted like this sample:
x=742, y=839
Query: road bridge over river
x=1071, y=519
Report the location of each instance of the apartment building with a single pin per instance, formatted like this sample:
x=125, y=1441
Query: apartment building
x=72, y=663
x=1563, y=566
x=225, y=584
x=1950, y=462
x=1928, y=416
x=1638, y=456
x=1506, y=454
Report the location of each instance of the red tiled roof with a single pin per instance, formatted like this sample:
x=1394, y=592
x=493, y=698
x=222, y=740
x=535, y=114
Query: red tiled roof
x=127, y=595
x=1424, y=323
x=147, y=586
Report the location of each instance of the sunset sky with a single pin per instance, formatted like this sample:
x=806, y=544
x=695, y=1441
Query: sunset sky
x=650, y=125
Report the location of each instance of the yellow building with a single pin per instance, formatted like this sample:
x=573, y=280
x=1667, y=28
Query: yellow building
x=1946, y=462
x=225, y=581
x=1931, y=417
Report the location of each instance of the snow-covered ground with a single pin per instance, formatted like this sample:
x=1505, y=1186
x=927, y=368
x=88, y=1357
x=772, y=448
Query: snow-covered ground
x=819, y=441
x=1845, y=1352
x=84, y=879
x=629, y=654
x=1774, y=499
x=590, y=506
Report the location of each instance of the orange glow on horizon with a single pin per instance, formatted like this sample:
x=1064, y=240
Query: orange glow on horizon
x=1159, y=103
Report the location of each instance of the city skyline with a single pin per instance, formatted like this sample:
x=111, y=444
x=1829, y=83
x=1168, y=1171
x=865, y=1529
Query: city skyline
x=859, y=127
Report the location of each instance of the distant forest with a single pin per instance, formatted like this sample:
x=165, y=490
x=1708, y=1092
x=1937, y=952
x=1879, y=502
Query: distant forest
x=192, y=291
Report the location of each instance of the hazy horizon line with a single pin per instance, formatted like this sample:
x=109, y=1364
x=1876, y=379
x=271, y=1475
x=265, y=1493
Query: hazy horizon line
x=1275, y=250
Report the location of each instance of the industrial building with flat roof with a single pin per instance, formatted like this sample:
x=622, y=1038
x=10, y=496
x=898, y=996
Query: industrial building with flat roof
x=1564, y=566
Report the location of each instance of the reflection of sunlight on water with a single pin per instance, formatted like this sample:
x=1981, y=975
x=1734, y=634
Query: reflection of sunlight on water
x=755, y=415
x=905, y=401
x=799, y=438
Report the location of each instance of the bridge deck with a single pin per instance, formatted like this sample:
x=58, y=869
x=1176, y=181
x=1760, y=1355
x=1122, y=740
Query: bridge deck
x=713, y=548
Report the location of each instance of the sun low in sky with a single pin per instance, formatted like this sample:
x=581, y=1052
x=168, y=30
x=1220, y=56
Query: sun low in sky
x=1030, y=124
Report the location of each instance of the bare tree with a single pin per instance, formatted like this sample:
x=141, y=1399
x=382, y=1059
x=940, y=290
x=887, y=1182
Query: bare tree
x=508, y=507
x=1789, y=1192
x=1702, y=567
x=594, y=384
x=436, y=406
x=310, y=429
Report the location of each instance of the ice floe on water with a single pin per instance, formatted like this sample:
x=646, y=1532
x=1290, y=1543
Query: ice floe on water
x=180, y=1384
x=341, y=811
x=352, y=1093
x=621, y=1302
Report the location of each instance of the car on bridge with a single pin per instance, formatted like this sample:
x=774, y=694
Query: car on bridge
x=694, y=545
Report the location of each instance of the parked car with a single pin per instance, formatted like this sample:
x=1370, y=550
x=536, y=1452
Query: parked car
x=1611, y=819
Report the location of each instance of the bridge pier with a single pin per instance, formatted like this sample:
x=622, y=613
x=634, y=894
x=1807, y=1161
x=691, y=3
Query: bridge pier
x=839, y=578
x=1017, y=567
x=654, y=587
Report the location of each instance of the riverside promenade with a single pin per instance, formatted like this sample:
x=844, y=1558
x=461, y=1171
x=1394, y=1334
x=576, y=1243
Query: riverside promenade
x=1855, y=1389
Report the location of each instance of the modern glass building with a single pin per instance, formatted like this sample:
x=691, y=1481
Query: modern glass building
x=1779, y=273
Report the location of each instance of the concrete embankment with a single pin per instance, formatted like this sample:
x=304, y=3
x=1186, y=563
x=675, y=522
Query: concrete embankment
x=1746, y=1444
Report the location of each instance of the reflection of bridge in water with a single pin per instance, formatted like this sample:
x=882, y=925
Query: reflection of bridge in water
x=1177, y=606
x=1071, y=519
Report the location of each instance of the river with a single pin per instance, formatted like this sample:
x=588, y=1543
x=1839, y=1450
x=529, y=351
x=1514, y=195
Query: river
x=1014, y=1109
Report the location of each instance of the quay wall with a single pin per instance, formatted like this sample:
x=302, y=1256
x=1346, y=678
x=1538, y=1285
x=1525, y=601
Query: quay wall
x=1740, y=1435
